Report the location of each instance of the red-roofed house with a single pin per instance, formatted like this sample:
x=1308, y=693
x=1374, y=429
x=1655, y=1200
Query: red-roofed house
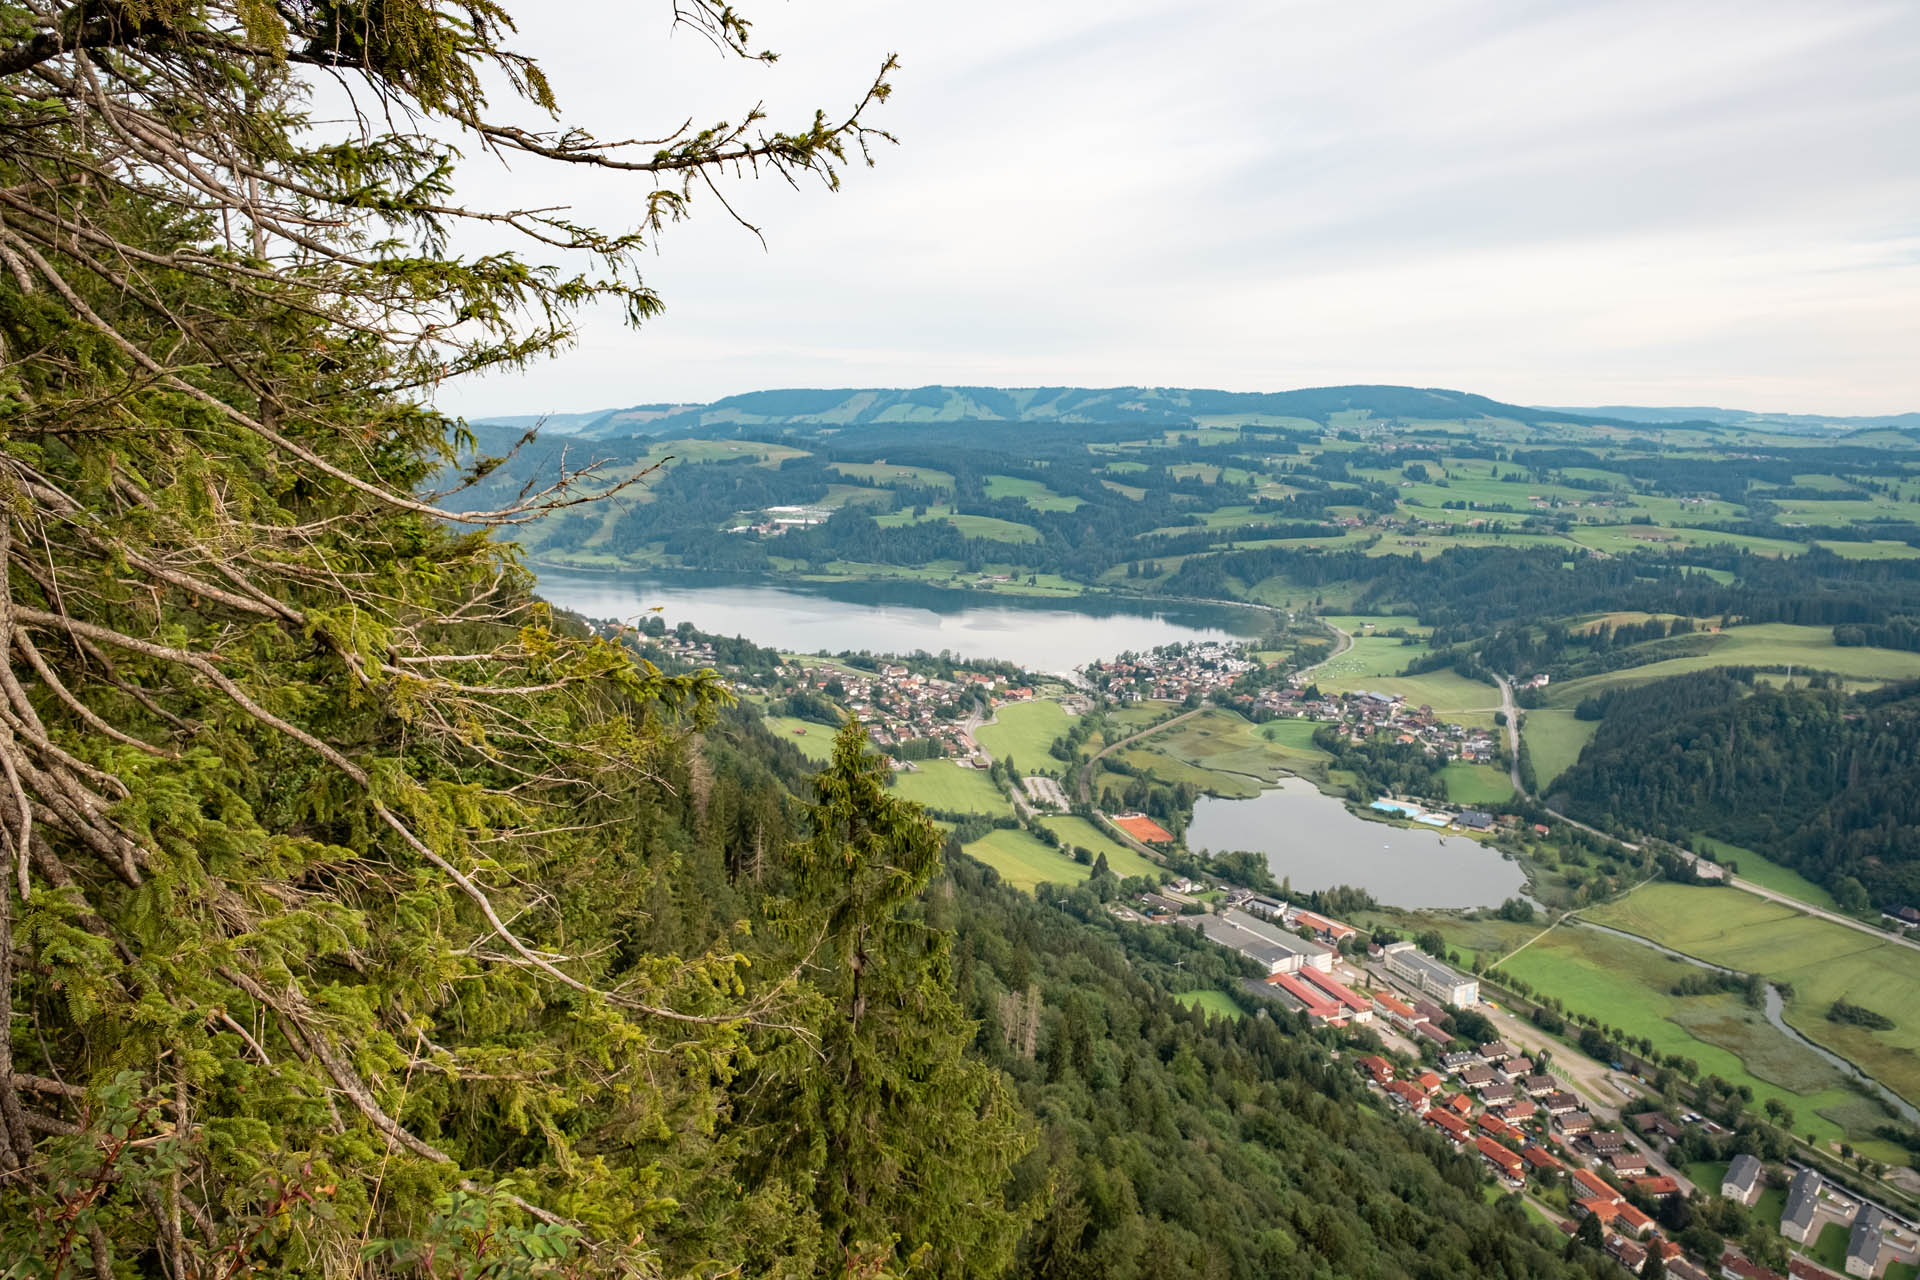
x=1735, y=1267
x=1499, y=1128
x=1539, y=1157
x=1518, y=1110
x=1378, y=1067
x=1655, y=1186
x=1453, y=1126
x=1408, y=1096
x=1396, y=1010
x=1429, y=1081
x=1510, y=1166
x=1605, y=1210
x=1592, y=1185
x=1461, y=1104
x=1633, y=1221
x=1322, y=928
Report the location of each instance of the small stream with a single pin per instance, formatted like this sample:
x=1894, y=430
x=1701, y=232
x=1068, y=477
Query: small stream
x=1774, y=1008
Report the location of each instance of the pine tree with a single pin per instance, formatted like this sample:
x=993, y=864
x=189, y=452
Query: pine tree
x=906, y=1148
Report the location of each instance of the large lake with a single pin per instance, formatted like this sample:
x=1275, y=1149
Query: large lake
x=1042, y=635
x=1312, y=839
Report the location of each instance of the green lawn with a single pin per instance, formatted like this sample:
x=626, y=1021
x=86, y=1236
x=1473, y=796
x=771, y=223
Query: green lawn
x=1022, y=732
x=814, y=740
x=1823, y=961
x=1453, y=697
x=1023, y=861
x=1124, y=862
x=944, y=785
x=1476, y=783
x=1765, y=873
x=1369, y=658
x=1555, y=739
x=1830, y=1250
x=1214, y=1002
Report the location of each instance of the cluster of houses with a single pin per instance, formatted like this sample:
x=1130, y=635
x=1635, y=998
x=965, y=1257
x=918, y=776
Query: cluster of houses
x=1171, y=672
x=1366, y=715
x=898, y=705
x=1525, y=1124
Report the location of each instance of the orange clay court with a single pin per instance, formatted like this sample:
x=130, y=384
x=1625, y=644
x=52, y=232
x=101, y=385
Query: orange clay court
x=1141, y=827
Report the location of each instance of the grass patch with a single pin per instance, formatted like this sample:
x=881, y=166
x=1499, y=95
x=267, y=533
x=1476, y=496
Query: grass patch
x=1214, y=1002
x=1124, y=862
x=1036, y=495
x=1023, y=731
x=1476, y=783
x=1823, y=961
x=884, y=473
x=1766, y=873
x=1219, y=741
x=1555, y=738
x=1023, y=861
x=944, y=785
x=814, y=740
x=1830, y=1250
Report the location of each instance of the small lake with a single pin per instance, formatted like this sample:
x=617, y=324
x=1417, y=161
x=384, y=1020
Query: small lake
x=1312, y=840
x=1044, y=635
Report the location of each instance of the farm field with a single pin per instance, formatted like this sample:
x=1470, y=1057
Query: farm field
x=1555, y=739
x=885, y=473
x=1172, y=769
x=1036, y=495
x=1823, y=961
x=1123, y=861
x=973, y=526
x=1211, y=1001
x=1023, y=861
x=944, y=785
x=1761, y=645
x=1224, y=740
x=1370, y=657
x=814, y=740
x=1022, y=732
x=1871, y=550
x=1476, y=783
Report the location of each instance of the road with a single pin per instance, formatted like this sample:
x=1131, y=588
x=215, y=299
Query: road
x=1512, y=713
x=1346, y=643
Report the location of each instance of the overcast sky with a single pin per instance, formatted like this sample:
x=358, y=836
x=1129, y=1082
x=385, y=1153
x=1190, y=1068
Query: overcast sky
x=1551, y=203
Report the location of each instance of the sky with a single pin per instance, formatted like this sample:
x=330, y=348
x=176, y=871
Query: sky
x=1549, y=203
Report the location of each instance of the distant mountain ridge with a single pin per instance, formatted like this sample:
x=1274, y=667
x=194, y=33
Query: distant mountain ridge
x=1169, y=406
x=1744, y=417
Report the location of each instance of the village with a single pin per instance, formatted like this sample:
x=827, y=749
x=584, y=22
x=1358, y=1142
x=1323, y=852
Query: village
x=1533, y=1115
x=1171, y=673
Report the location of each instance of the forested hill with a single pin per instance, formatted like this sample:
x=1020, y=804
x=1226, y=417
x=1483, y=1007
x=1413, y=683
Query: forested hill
x=1138, y=405
x=1827, y=783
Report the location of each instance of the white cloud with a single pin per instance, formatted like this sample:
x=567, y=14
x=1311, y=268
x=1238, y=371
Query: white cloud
x=1557, y=203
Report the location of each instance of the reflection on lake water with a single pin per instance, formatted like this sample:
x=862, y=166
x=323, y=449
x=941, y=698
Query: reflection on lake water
x=1313, y=840
x=1041, y=635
